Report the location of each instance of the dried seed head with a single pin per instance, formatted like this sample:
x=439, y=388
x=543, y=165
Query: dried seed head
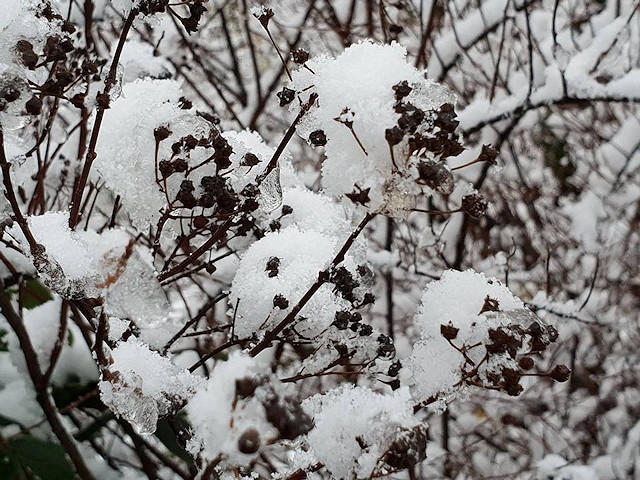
x=446, y=118
x=299, y=56
x=367, y=299
x=280, y=302
x=526, y=363
x=166, y=168
x=449, y=331
x=394, y=369
x=436, y=176
x=474, y=204
x=535, y=329
x=272, y=267
x=275, y=226
x=249, y=441
x=200, y=222
x=184, y=103
x=180, y=165
x=210, y=268
x=341, y=321
x=161, y=133
x=393, y=136
x=386, y=348
x=359, y=196
x=560, y=373
x=394, y=384
x=103, y=100
x=490, y=305
x=286, y=96
x=488, y=154
x=318, y=138
x=250, y=160
x=264, y=15
x=401, y=90
x=366, y=330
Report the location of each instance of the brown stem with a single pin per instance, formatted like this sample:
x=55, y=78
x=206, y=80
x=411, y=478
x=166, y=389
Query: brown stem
x=81, y=182
x=273, y=163
x=57, y=348
x=41, y=386
x=323, y=276
x=11, y=196
x=222, y=230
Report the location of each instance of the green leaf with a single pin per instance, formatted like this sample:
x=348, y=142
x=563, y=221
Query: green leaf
x=9, y=468
x=166, y=435
x=35, y=294
x=45, y=459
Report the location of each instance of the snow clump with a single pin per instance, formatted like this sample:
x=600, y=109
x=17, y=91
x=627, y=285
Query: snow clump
x=472, y=328
x=380, y=120
x=140, y=385
x=274, y=274
x=359, y=432
x=238, y=428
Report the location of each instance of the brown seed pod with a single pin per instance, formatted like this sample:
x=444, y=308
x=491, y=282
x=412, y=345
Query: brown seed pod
x=249, y=441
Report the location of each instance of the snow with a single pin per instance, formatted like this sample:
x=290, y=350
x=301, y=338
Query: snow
x=17, y=398
x=301, y=256
x=76, y=262
x=142, y=385
x=355, y=107
x=354, y=426
x=138, y=62
x=126, y=145
x=315, y=212
x=554, y=467
x=86, y=263
x=589, y=232
x=465, y=32
x=456, y=299
x=20, y=22
x=240, y=176
x=234, y=415
x=584, y=215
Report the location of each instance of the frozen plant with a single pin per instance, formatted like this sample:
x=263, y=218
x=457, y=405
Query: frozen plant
x=386, y=129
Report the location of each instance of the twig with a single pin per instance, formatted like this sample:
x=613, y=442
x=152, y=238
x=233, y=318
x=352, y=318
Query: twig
x=323, y=276
x=41, y=386
x=110, y=81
